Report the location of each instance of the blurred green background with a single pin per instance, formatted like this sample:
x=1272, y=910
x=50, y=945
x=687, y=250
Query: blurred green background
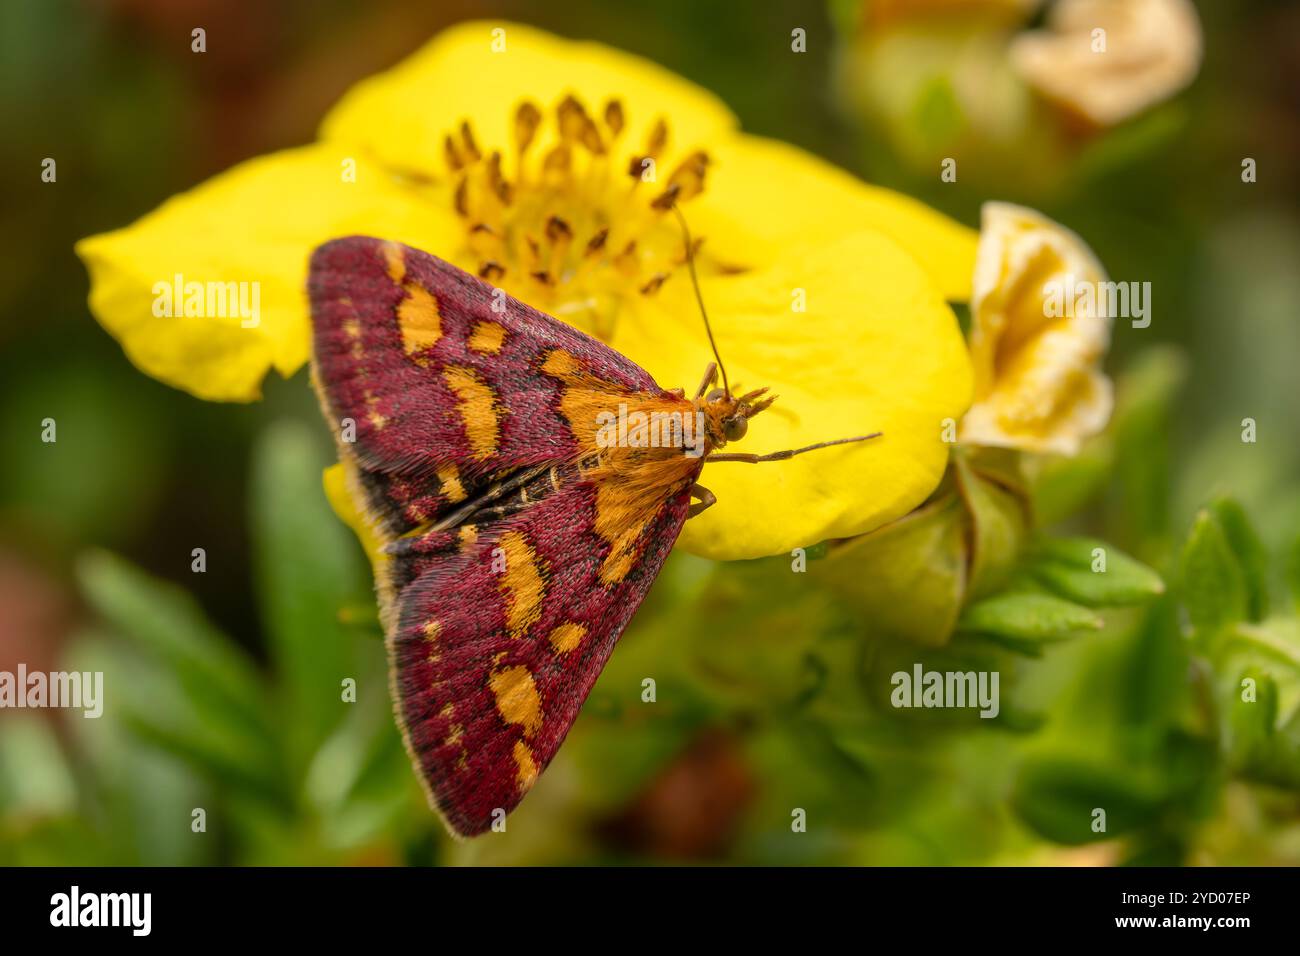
x=771, y=687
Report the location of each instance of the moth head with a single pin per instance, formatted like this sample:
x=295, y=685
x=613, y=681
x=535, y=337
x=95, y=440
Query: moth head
x=730, y=414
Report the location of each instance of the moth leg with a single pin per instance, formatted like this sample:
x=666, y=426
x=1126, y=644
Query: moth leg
x=679, y=392
x=707, y=500
x=710, y=378
x=789, y=452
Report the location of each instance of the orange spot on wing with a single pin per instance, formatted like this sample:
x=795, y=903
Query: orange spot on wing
x=487, y=337
x=527, y=766
x=352, y=329
x=478, y=410
x=449, y=480
x=419, y=319
x=521, y=583
x=517, y=699
x=394, y=261
x=562, y=365
x=376, y=419
x=566, y=637
x=624, y=537
x=467, y=535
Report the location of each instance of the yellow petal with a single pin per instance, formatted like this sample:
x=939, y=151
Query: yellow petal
x=346, y=507
x=402, y=116
x=877, y=349
x=254, y=224
x=763, y=194
x=1038, y=336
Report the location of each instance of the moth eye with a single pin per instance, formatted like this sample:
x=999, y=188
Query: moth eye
x=714, y=395
x=735, y=428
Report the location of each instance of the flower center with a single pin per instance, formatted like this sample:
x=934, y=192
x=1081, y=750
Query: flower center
x=576, y=231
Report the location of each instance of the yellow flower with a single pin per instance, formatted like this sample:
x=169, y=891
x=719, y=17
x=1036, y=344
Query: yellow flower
x=1037, y=336
x=547, y=166
x=1110, y=59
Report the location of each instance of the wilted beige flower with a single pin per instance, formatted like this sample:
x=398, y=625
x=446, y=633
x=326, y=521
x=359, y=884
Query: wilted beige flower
x=1038, y=336
x=1150, y=49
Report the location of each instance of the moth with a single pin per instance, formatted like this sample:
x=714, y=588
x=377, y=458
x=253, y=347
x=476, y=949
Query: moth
x=520, y=531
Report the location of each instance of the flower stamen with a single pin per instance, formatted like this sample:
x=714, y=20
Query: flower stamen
x=563, y=231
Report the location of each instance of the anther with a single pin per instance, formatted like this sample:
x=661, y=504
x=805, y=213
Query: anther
x=453, y=155
x=498, y=182
x=591, y=137
x=558, y=230
x=666, y=199
x=527, y=118
x=657, y=280
x=689, y=175
x=557, y=160
x=614, y=117
x=467, y=137
x=597, y=242
x=658, y=138
x=572, y=119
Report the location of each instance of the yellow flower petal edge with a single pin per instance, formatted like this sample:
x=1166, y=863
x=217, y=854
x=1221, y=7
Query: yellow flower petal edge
x=877, y=349
x=765, y=194
x=255, y=224
x=335, y=482
x=472, y=71
x=1038, y=336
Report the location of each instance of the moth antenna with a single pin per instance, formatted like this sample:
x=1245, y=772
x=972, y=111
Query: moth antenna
x=699, y=297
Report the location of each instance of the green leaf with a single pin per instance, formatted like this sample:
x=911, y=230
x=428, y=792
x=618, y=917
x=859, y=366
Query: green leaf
x=1293, y=573
x=1262, y=734
x=1063, y=485
x=164, y=621
x=1150, y=700
x=1126, y=145
x=308, y=568
x=998, y=524
x=1059, y=798
x=207, y=752
x=35, y=777
x=139, y=790
x=1213, y=586
x=1145, y=396
x=1028, y=617
x=1250, y=554
x=1095, y=573
x=1258, y=748
x=1252, y=721
x=908, y=578
x=157, y=703
x=936, y=113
